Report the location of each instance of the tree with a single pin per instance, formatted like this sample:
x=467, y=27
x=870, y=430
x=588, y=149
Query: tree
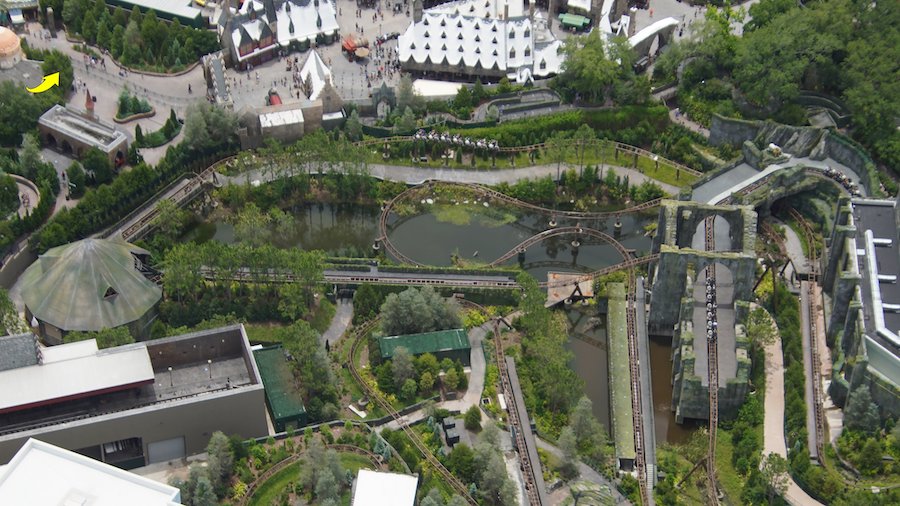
x=763, y=12
x=170, y=219
x=408, y=390
x=870, y=457
x=407, y=122
x=251, y=225
x=461, y=462
x=451, y=380
x=19, y=112
x=30, y=157
x=203, y=494
x=433, y=498
x=9, y=195
x=353, y=127
x=220, y=463
x=311, y=368
x=208, y=128
x=418, y=310
x=472, y=420
x=106, y=338
x=57, y=61
x=402, y=363
x=774, y=470
x=586, y=68
x=569, y=448
x=426, y=382
x=406, y=94
x=97, y=163
x=861, y=413
x=366, y=302
x=292, y=301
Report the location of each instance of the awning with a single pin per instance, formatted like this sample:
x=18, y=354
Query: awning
x=15, y=15
x=573, y=20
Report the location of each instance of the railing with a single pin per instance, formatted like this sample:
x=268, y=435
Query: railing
x=712, y=366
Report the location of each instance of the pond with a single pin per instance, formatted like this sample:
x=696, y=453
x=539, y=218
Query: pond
x=587, y=340
x=431, y=237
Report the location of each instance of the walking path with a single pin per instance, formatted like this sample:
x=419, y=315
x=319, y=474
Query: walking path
x=586, y=471
x=418, y=175
x=343, y=314
x=773, y=431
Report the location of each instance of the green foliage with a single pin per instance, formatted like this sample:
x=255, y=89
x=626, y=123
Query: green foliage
x=208, y=128
x=861, y=413
x=97, y=164
x=418, y=310
x=597, y=71
x=129, y=105
x=461, y=462
x=220, y=464
x=9, y=195
x=472, y=419
x=106, y=338
x=9, y=315
x=20, y=110
x=550, y=387
x=312, y=369
x=366, y=302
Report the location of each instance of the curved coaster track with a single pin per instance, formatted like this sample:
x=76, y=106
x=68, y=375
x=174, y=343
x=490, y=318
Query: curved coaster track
x=488, y=193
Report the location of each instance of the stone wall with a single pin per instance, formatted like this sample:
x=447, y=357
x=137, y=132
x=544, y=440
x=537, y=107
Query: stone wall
x=731, y=131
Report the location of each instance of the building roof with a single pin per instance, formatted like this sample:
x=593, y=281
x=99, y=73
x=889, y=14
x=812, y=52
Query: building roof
x=92, y=132
x=277, y=378
x=319, y=74
x=18, y=351
x=294, y=21
x=291, y=116
x=42, y=474
x=89, y=285
x=74, y=370
x=384, y=489
x=9, y=41
x=429, y=342
x=497, y=9
x=878, y=247
x=619, y=374
x=181, y=8
x=474, y=42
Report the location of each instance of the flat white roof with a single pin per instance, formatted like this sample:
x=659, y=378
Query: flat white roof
x=74, y=369
x=45, y=475
x=281, y=118
x=431, y=88
x=384, y=489
x=178, y=7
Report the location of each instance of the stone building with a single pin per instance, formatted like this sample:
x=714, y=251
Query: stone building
x=73, y=133
x=678, y=304
x=90, y=285
x=318, y=105
x=862, y=266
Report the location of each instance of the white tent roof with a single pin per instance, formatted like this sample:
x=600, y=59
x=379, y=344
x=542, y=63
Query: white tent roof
x=452, y=40
x=483, y=8
x=319, y=73
x=384, y=489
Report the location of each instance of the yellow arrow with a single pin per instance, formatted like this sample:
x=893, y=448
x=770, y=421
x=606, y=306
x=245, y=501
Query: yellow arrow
x=48, y=82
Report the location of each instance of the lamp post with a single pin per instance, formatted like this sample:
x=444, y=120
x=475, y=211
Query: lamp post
x=209, y=367
x=171, y=381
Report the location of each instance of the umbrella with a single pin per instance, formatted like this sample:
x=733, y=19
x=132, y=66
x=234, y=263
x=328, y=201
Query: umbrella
x=362, y=52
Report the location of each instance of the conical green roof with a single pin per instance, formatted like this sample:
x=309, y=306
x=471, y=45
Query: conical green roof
x=89, y=285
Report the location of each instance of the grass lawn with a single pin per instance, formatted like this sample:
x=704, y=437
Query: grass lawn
x=729, y=479
x=268, y=492
x=264, y=333
x=354, y=462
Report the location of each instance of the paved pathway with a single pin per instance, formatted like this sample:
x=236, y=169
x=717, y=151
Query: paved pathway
x=418, y=175
x=343, y=314
x=773, y=429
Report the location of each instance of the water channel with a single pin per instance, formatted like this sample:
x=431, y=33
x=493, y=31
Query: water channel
x=431, y=237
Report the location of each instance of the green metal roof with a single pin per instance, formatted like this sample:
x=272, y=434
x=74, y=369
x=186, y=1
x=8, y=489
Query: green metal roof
x=620, y=374
x=574, y=20
x=89, y=285
x=277, y=378
x=429, y=342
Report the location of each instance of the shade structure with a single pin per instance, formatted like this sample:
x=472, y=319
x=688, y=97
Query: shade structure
x=362, y=52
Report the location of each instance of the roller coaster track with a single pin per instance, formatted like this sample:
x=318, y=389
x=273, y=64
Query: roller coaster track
x=713, y=368
x=636, y=402
x=455, y=484
x=495, y=195
x=529, y=469
x=815, y=370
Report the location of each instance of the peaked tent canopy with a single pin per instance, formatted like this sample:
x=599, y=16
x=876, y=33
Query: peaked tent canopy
x=89, y=285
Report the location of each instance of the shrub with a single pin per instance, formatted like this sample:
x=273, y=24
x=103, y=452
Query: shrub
x=472, y=420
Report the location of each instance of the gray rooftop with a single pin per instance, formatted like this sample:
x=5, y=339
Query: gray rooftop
x=880, y=217
x=99, y=134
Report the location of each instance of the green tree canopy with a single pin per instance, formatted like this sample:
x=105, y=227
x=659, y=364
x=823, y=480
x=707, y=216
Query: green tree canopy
x=418, y=310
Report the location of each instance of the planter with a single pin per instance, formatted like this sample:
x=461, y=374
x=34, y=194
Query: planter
x=126, y=119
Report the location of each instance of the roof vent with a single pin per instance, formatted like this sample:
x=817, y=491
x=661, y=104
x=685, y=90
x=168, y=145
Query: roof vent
x=110, y=293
